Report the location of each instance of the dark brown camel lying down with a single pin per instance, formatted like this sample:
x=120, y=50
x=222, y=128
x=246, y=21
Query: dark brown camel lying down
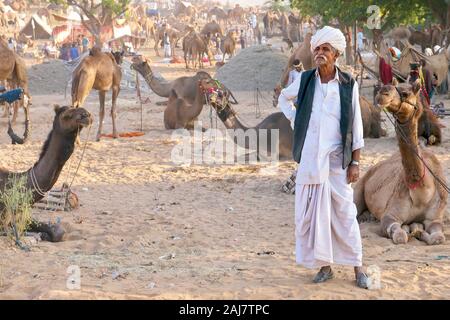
x=56, y=151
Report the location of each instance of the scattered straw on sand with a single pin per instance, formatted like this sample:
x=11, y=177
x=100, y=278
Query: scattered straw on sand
x=255, y=67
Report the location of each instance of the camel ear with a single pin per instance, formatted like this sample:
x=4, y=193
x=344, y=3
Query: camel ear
x=394, y=81
x=56, y=107
x=416, y=86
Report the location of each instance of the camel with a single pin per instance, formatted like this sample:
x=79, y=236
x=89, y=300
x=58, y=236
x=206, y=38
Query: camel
x=400, y=191
x=229, y=44
x=56, y=151
x=236, y=14
x=100, y=71
x=174, y=36
x=371, y=117
x=196, y=45
x=13, y=70
x=269, y=20
x=219, y=100
x=220, y=14
x=179, y=113
x=185, y=87
x=302, y=53
x=211, y=28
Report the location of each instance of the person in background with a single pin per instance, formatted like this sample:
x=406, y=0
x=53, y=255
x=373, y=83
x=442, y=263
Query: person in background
x=167, y=49
x=74, y=54
x=242, y=39
x=295, y=72
x=85, y=43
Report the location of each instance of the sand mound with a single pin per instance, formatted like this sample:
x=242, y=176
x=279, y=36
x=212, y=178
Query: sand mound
x=254, y=67
x=49, y=77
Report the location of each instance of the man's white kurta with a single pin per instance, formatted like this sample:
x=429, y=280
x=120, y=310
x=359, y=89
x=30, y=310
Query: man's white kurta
x=326, y=227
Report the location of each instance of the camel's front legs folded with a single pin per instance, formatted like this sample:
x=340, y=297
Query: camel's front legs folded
x=392, y=228
x=433, y=233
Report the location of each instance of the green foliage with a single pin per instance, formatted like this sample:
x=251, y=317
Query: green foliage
x=16, y=201
x=393, y=12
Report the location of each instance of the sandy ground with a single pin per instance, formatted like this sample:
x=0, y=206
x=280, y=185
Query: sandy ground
x=150, y=229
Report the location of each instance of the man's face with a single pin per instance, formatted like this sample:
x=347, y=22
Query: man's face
x=325, y=54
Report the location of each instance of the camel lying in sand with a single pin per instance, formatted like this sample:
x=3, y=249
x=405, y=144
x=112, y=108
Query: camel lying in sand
x=400, y=191
x=56, y=151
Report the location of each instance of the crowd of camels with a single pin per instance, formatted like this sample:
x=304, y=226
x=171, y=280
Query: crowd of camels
x=420, y=202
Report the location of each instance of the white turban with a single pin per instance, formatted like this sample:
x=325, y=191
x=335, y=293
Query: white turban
x=330, y=35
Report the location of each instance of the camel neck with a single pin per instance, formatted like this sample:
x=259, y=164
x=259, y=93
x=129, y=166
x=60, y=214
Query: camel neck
x=412, y=165
x=57, y=150
x=199, y=101
x=230, y=119
x=161, y=89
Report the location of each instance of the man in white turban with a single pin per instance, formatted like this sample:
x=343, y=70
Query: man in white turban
x=328, y=136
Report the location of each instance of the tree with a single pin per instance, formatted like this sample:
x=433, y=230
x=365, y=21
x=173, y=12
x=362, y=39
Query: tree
x=392, y=13
x=99, y=13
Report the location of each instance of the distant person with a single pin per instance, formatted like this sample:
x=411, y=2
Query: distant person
x=74, y=54
x=11, y=44
x=242, y=39
x=360, y=40
x=167, y=49
x=85, y=43
x=295, y=72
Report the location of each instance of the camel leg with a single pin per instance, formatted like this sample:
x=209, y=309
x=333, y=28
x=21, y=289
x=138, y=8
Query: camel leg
x=416, y=230
x=392, y=228
x=15, y=112
x=101, y=114
x=113, y=111
x=156, y=47
x=433, y=233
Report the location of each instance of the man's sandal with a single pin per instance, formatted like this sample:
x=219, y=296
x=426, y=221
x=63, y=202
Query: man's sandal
x=323, y=276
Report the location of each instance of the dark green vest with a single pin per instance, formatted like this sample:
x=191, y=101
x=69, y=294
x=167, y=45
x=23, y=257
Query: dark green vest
x=303, y=113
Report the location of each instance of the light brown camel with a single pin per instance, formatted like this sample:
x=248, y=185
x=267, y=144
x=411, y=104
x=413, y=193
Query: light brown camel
x=277, y=121
x=302, y=53
x=400, y=191
x=371, y=117
x=220, y=15
x=212, y=28
x=229, y=45
x=56, y=151
x=13, y=71
x=100, y=71
x=269, y=20
x=195, y=46
x=237, y=14
x=179, y=113
x=174, y=36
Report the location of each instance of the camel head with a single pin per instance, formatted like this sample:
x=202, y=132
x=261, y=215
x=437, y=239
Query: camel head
x=70, y=120
x=118, y=56
x=217, y=94
x=403, y=100
x=141, y=65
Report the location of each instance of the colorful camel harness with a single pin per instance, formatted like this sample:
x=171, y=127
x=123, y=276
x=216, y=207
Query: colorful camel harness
x=218, y=97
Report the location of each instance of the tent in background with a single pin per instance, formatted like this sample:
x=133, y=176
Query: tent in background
x=36, y=28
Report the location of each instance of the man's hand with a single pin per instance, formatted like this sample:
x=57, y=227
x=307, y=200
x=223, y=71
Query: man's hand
x=352, y=173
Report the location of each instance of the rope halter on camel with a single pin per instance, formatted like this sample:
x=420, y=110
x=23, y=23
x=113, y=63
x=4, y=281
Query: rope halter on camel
x=217, y=96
